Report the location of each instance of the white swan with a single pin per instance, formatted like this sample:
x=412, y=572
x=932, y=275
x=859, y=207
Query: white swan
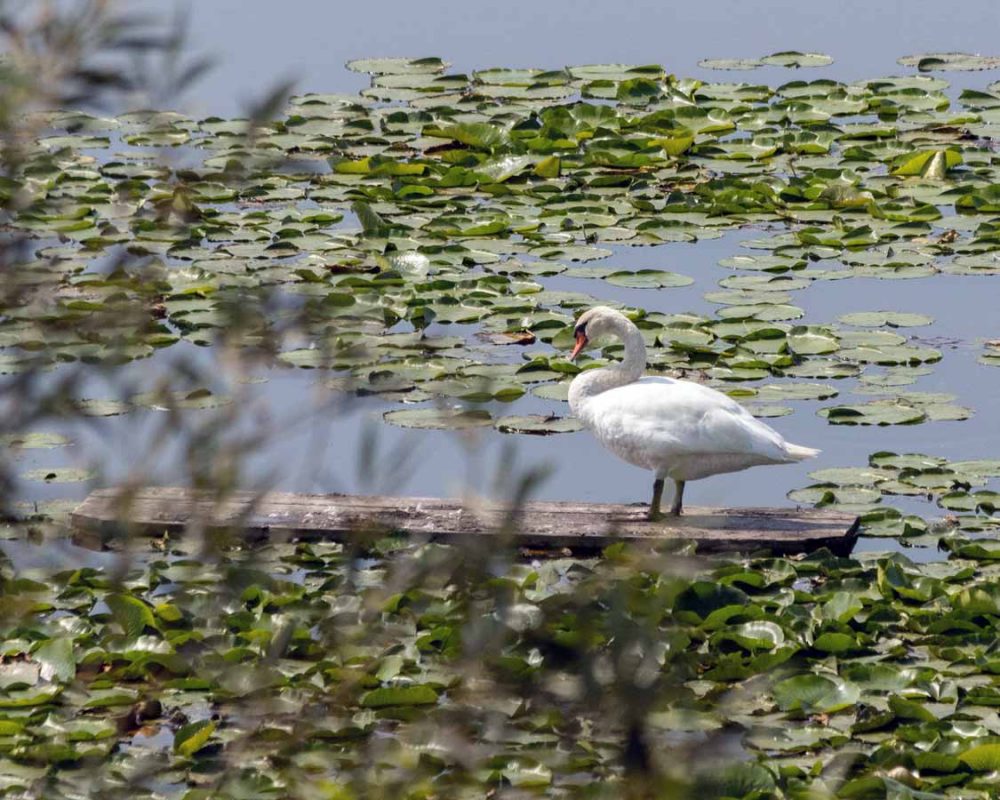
x=679, y=429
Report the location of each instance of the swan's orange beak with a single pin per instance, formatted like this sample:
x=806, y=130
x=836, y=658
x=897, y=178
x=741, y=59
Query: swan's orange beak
x=581, y=342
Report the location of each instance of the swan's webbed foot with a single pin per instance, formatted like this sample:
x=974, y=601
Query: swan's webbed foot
x=655, y=514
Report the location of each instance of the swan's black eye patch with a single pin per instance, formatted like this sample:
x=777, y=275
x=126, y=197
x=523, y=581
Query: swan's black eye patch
x=580, y=330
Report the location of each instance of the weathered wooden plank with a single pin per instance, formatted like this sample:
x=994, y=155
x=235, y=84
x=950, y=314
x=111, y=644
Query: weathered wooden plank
x=106, y=513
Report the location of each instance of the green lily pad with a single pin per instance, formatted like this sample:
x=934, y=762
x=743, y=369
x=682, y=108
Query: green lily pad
x=934, y=62
x=40, y=440
x=829, y=494
x=927, y=163
x=57, y=659
x=878, y=412
x=982, y=467
x=59, y=475
x=195, y=399
x=815, y=694
x=762, y=411
x=397, y=66
x=649, y=279
x=439, y=419
x=92, y=407
x=795, y=391
x=795, y=59
x=880, y=319
x=388, y=696
x=538, y=424
x=982, y=758
x=192, y=737
x=851, y=476
x=552, y=391
x=730, y=63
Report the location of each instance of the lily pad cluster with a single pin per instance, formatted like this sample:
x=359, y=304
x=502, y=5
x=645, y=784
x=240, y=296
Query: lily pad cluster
x=299, y=670
x=426, y=229
x=963, y=494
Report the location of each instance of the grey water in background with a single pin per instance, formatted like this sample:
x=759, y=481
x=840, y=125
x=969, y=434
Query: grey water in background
x=258, y=43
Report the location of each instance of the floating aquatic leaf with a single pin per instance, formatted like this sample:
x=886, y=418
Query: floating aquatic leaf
x=835, y=643
x=767, y=411
x=192, y=737
x=927, y=163
x=793, y=58
x=399, y=696
x=473, y=390
x=730, y=63
x=36, y=440
x=965, y=501
x=131, y=613
x=649, y=279
x=537, y=424
x=572, y=253
x=892, y=354
x=851, y=476
x=57, y=659
x=759, y=635
x=878, y=412
x=479, y=135
x=828, y=494
x=811, y=341
x=982, y=758
x=523, y=776
x=59, y=475
x=983, y=467
x=410, y=264
x=892, y=319
x=439, y=419
x=397, y=66
x=552, y=391
x=195, y=399
x=742, y=779
x=91, y=407
x=815, y=694
x=933, y=62
x=795, y=391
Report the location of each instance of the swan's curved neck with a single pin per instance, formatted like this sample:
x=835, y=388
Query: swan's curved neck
x=628, y=370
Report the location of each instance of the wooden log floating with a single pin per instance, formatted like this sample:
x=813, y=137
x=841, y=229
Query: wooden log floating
x=106, y=514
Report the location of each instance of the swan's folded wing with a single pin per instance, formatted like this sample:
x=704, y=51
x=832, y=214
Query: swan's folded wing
x=680, y=418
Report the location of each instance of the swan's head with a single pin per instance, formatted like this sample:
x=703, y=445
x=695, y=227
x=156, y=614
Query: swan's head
x=594, y=323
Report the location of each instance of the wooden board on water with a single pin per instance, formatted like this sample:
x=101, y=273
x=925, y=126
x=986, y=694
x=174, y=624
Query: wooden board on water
x=153, y=511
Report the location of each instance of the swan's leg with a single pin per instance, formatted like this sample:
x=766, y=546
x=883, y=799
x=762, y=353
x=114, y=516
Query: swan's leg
x=675, y=509
x=654, y=505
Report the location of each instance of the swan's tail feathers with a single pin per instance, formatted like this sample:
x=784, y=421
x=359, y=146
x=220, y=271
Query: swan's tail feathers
x=799, y=453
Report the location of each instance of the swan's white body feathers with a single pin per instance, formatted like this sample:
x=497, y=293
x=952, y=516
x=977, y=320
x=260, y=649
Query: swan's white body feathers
x=682, y=430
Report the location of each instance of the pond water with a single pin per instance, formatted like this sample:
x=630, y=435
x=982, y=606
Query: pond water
x=314, y=439
x=310, y=40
